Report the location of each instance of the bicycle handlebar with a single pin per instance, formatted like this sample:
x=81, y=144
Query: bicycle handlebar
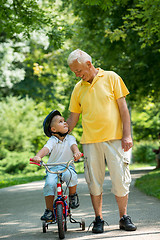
x=54, y=164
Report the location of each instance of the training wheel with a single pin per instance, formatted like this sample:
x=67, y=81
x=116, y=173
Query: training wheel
x=44, y=226
x=83, y=224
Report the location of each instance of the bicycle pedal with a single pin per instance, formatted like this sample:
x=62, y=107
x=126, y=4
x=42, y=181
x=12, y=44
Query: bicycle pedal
x=49, y=220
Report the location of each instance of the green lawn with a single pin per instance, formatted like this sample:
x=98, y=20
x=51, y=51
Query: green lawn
x=79, y=166
x=7, y=180
x=149, y=183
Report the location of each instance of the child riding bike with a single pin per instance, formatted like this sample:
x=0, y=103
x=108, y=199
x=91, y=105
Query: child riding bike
x=61, y=147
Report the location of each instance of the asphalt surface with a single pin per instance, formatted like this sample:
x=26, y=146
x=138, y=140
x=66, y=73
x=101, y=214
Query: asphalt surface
x=21, y=207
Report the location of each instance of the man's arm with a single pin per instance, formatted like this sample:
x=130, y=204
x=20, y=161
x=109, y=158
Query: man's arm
x=72, y=120
x=127, y=142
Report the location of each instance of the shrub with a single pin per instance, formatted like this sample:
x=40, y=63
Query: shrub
x=20, y=125
x=16, y=162
x=3, y=153
x=143, y=152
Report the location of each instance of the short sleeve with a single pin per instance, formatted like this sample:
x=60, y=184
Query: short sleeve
x=119, y=87
x=74, y=102
x=50, y=144
x=71, y=140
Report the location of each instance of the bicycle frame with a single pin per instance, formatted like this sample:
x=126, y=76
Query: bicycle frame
x=60, y=219
x=60, y=198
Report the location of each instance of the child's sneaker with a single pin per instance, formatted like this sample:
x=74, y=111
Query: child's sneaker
x=48, y=215
x=73, y=201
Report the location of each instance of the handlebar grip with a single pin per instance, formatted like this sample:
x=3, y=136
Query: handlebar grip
x=32, y=162
x=35, y=163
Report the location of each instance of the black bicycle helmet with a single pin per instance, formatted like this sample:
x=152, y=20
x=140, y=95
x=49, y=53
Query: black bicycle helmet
x=47, y=122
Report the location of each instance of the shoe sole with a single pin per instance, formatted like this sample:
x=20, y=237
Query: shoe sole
x=123, y=228
x=97, y=232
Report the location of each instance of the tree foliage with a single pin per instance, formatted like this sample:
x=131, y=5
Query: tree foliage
x=12, y=56
x=106, y=32
x=144, y=18
x=22, y=16
x=36, y=38
x=145, y=119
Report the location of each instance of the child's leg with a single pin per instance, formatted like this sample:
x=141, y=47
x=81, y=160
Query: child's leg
x=72, y=190
x=49, y=202
x=49, y=192
x=48, y=213
x=73, y=197
x=70, y=177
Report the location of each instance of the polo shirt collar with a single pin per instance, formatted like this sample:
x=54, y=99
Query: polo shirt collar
x=99, y=74
x=58, y=140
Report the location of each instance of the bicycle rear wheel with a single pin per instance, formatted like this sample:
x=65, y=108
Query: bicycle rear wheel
x=60, y=221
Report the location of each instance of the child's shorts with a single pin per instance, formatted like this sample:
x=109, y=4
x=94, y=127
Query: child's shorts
x=96, y=155
x=50, y=187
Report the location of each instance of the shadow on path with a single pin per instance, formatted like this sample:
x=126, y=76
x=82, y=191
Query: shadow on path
x=21, y=207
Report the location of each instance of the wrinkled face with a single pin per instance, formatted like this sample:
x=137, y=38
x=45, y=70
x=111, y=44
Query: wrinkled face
x=82, y=70
x=58, y=124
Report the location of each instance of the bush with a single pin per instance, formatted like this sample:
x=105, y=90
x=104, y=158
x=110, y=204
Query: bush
x=143, y=152
x=20, y=125
x=16, y=162
x=3, y=153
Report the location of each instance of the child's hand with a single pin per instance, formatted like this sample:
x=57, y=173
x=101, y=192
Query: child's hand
x=37, y=159
x=77, y=156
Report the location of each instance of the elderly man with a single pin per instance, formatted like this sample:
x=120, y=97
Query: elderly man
x=100, y=97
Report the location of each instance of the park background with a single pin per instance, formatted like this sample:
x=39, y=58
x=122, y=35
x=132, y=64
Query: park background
x=36, y=37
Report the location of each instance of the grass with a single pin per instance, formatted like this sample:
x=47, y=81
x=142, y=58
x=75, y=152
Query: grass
x=80, y=169
x=9, y=180
x=150, y=183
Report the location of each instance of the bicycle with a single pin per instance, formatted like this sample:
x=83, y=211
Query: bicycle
x=60, y=205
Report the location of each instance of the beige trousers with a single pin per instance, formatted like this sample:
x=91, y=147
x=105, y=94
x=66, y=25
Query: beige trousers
x=96, y=156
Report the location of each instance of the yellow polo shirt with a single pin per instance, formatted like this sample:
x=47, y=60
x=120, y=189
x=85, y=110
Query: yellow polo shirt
x=101, y=119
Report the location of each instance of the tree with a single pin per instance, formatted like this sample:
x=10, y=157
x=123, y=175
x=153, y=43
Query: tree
x=143, y=18
x=23, y=16
x=12, y=55
x=28, y=26
x=104, y=30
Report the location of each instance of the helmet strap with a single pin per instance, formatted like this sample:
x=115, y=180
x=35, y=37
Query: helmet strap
x=60, y=134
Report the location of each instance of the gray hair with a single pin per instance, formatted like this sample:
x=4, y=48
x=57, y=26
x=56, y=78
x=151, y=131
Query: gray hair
x=78, y=55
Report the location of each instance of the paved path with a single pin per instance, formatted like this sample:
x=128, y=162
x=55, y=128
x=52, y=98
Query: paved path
x=21, y=207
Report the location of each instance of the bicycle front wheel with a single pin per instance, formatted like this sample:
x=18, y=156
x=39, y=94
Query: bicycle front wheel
x=60, y=221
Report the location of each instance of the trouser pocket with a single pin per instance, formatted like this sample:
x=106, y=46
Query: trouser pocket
x=86, y=171
x=127, y=175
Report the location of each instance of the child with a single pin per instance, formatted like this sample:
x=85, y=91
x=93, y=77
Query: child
x=61, y=147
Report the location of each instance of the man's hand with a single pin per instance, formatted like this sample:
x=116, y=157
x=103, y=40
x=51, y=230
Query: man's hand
x=127, y=143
